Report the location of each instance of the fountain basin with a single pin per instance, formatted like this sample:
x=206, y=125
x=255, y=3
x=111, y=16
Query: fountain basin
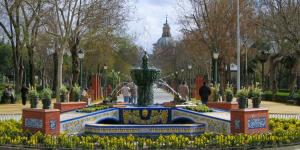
x=136, y=117
x=144, y=130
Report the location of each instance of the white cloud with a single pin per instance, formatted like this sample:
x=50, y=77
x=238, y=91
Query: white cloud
x=150, y=16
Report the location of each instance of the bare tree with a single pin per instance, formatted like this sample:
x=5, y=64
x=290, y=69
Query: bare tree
x=213, y=24
x=279, y=21
x=12, y=27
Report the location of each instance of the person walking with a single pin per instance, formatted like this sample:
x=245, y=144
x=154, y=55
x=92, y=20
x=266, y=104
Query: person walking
x=204, y=93
x=24, y=92
x=126, y=93
x=133, y=93
x=184, y=90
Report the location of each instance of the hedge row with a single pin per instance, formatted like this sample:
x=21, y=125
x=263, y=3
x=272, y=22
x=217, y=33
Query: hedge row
x=282, y=132
x=282, y=97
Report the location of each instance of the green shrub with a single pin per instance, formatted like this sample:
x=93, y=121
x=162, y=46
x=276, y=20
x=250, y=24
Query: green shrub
x=46, y=93
x=32, y=93
x=76, y=91
x=93, y=108
x=199, y=108
x=63, y=90
x=242, y=93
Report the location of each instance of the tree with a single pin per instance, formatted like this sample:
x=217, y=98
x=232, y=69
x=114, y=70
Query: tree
x=5, y=59
x=31, y=12
x=11, y=25
x=214, y=25
x=279, y=20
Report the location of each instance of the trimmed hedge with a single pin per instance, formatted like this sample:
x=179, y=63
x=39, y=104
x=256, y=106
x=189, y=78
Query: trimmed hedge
x=281, y=97
x=283, y=131
x=93, y=108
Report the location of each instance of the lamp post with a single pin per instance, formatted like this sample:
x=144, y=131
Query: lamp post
x=216, y=56
x=80, y=56
x=182, y=76
x=119, y=78
x=176, y=81
x=113, y=78
x=105, y=90
x=190, y=81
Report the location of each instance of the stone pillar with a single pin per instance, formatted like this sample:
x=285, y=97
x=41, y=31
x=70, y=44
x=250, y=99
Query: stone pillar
x=45, y=120
x=198, y=84
x=249, y=120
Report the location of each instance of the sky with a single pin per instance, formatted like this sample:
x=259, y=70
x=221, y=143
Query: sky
x=149, y=17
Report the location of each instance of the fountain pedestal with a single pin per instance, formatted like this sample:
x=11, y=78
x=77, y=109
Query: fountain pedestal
x=249, y=120
x=144, y=77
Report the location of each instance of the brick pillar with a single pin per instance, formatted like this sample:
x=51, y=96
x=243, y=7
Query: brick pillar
x=96, y=87
x=198, y=83
x=45, y=120
x=249, y=120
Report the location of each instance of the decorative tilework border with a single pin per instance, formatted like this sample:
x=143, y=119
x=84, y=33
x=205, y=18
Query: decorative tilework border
x=74, y=126
x=193, y=129
x=89, y=114
x=215, y=125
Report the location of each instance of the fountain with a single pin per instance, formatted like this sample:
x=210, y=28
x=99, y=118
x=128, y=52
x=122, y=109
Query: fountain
x=144, y=78
x=145, y=119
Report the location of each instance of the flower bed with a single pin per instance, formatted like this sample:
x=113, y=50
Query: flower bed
x=93, y=108
x=199, y=108
x=283, y=132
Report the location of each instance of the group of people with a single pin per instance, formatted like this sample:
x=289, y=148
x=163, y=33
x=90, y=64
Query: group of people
x=8, y=96
x=204, y=92
x=129, y=92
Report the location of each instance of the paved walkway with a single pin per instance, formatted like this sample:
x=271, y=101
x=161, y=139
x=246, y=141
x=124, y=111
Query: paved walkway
x=161, y=96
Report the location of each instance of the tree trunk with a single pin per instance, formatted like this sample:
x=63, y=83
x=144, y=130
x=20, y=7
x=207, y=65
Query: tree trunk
x=55, y=64
x=31, y=66
x=262, y=76
x=74, y=42
x=273, y=78
x=60, y=58
x=293, y=79
x=222, y=78
x=75, y=67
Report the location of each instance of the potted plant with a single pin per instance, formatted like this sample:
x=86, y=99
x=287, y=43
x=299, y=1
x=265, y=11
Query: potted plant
x=256, y=96
x=250, y=91
x=63, y=93
x=229, y=93
x=33, y=97
x=76, y=93
x=215, y=93
x=46, y=98
x=242, y=98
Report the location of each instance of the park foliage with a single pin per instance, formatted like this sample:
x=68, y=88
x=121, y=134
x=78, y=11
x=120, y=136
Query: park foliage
x=93, y=108
x=199, y=108
x=282, y=132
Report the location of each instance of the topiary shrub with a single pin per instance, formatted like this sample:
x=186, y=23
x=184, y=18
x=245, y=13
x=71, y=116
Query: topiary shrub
x=33, y=97
x=46, y=97
x=76, y=91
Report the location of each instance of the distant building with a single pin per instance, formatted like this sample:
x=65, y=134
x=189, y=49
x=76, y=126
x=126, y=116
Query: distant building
x=166, y=41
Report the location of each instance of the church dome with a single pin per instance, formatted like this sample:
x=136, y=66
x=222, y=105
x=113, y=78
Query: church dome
x=166, y=40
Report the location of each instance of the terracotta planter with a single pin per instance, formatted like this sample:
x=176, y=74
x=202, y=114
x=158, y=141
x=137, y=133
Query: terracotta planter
x=63, y=98
x=256, y=102
x=46, y=103
x=33, y=102
x=77, y=98
x=229, y=98
x=243, y=102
